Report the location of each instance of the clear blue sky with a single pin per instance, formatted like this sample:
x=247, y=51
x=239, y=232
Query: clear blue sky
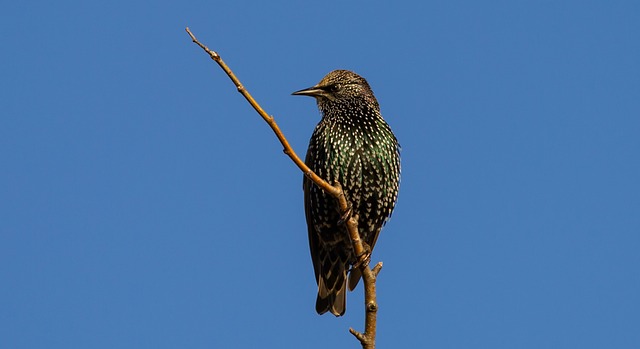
x=143, y=204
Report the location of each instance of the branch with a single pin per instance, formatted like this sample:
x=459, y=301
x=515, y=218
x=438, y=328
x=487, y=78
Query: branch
x=367, y=338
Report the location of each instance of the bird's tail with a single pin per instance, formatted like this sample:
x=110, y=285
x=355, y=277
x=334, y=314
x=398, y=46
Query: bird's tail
x=332, y=289
x=354, y=277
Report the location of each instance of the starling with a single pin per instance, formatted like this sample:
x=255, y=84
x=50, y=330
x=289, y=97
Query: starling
x=355, y=146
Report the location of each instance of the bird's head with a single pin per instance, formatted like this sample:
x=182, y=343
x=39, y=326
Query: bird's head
x=340, y=86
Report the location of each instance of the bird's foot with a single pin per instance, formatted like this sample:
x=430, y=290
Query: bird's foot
x=346, y=216
x=364, y=257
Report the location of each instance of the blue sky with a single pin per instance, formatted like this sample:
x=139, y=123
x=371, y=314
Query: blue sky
x=144, y=204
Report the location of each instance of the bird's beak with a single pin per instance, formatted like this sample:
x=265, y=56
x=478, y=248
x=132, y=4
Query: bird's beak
x=313, y=91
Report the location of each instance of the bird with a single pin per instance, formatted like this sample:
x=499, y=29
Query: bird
x=354, y=145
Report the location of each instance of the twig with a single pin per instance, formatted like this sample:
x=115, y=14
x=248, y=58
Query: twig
x=367, y=338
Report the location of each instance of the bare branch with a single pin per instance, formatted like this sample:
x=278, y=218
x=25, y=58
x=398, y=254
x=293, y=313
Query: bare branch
x=367, y=339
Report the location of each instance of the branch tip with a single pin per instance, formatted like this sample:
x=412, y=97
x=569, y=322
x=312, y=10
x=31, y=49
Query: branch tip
x=376, y=269
x=360, y=336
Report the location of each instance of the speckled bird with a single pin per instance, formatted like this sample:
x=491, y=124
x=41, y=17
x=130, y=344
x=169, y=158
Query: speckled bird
x=355, y=146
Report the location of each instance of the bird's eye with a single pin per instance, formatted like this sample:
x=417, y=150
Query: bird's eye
x=334, y=88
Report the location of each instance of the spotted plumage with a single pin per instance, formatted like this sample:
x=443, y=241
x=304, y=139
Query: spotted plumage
x=353, y=145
